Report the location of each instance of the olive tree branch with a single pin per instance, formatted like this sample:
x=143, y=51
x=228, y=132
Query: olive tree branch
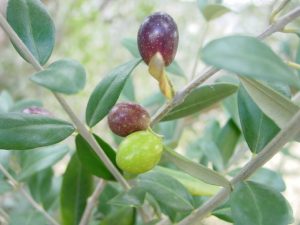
x=210, y=71
x=15, y=184
x=285, y=135
x=273, y=147
x=81, y=128
x=91, y=202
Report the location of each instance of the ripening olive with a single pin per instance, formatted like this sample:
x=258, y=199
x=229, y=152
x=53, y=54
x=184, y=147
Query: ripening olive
x=139, y=152
x=158, y=33
x=126, y=118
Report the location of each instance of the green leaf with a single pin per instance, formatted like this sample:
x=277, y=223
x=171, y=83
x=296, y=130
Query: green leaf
x=202, y=4
x=166, y=190
x=23, y=131
x=213, y=11
x=258, y=129
x=91, y=161
x=110, y=191
x=254, y=203
x=34, y=26
x=247, y=56
x=41, y=188
x=297, y=59
x=107, y=92
x=212, y=152
x=270, y=178
x=196, y=170
x=227, y=140
x=39, y=159
x=194, y=186
x=135, y=197
x=175, y=68
x=65, y=76
x=27, y=216
x=76, y=188
x=6, y=102
x=129, y=91
x=279, y=108
x=131, y=45
x=122, y=216
x=201, y=98
x=223, y=214
x=19, y=106
x=4, y=187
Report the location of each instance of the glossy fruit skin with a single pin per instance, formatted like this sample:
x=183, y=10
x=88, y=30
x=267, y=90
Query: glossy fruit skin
x=139, y=152
x=37, y=111
x=126, y=118
x=158, y=33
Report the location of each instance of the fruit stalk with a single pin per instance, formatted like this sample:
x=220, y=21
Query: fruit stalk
x=78, y=124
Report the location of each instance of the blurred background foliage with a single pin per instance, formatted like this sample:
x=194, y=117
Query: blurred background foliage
x=92, y=33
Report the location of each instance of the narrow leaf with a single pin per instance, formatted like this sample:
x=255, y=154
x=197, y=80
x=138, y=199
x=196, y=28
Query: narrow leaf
x=107, y=92
x=131, y=45
x=76, y=188
x=20, y=131
x=6, y=102
x=175, y=68
x=121, y=216
x=196, y=170
x=34, y=26
x=64, y=76
x=201, y=98
x=19, y=106
x=214, y=11
x=227, y=140
x=258, y=129
x=272, y=103
x=39, y=159
x=195, y=186
x=254, y=203
x=166, y=190
x=134, y=197
x=247, y=56
x=91, y=161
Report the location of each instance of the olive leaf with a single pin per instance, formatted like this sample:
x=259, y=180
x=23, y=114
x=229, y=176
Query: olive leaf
x=196, y=170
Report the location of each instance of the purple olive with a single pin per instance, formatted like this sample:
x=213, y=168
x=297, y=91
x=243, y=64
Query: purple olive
x=158, y=33
x=126, y=118
x=37, y=110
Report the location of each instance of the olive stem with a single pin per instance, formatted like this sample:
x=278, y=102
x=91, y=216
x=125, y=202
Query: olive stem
x=91, y=202
x=210, y=71
x=81, y=128
x=15, y=184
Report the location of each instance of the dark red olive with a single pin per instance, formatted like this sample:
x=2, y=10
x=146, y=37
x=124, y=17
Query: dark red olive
x=126, y=118
x=37, y=110
x=158, y=33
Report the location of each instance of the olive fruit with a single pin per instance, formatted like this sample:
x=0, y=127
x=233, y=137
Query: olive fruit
x=36, y=110
x=158, y=33
x=126, y=118
x=139, y=152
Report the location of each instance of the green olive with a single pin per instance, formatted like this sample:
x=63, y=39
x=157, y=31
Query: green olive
x=139, y=152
